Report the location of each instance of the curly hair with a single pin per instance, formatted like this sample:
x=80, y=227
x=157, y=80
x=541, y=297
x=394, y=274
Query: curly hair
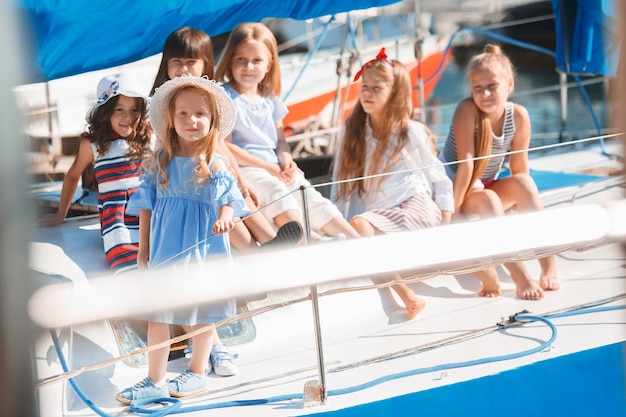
x=100, y=132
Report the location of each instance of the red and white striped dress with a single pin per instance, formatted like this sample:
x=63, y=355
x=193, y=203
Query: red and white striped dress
x=117, y=176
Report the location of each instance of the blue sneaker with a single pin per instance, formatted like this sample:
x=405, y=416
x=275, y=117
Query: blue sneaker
x=222, y=361
x=142, y=390
x=187, y=384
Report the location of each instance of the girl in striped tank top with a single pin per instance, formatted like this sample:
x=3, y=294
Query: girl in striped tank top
x=115, y=141
x=488, y=124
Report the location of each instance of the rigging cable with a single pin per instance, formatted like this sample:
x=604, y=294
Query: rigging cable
x=317, y=46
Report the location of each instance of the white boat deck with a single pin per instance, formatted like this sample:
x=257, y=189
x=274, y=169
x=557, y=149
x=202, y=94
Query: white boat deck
x=357, y=327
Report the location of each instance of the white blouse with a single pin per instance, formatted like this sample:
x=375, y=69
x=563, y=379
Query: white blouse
x=404, y=180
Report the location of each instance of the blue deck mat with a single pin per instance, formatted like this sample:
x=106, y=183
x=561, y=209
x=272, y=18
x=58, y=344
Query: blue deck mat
x=547, y=180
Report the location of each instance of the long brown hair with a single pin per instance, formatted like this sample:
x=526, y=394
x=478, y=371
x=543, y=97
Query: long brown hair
x=396, y=116
x=100, y=132
x=186, y=42
x=251, y=32
x=492, y=59
x=202, y=151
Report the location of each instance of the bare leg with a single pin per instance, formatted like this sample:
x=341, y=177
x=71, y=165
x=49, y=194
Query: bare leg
x=527, y=288
x=157, y=359
x=215, y=338
x=491, y=283
x=548, y=279
x=241, y=239
x=412, y=302
x=340, y=225
x=202, y=345
x=261, y=230
x=363, y=227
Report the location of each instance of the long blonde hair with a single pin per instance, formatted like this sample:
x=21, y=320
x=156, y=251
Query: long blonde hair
x=492, y=59
x=202, y=150
x=396, y=116
x=251, y=32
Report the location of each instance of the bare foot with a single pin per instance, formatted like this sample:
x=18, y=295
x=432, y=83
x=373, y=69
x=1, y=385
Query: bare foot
x=414, y=306
x=550, y=283
x=491, y=283
x=490, y=292
x=529, y=290
x=412, y=302
x=548, y=279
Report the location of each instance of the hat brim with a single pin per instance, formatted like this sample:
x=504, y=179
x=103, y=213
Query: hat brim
x=225, y=105
x=93, y=108
x=123, y=93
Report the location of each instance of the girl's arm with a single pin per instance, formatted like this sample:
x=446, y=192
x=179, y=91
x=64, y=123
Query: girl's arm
x=287, y=165
x=440, y=184
x=225, y=151
x=70, y=182
x=464, y=123
x=245, y=159
x=518, y=162
x=143, y=256
x=224, y=222
x=446, y=217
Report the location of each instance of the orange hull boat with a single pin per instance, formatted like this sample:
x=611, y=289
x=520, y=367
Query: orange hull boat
x=302, y=112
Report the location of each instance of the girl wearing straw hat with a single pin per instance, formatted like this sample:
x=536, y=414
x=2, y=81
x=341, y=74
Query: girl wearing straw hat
x=186, y=203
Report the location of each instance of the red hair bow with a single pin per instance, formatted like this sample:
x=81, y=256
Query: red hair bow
x=382, y=57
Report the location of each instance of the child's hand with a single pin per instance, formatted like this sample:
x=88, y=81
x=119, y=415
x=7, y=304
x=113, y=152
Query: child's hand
x=288, y=170
x=274, y=170
x=143, y=256
x=51, y=220
x=247, y=193
x=222, y=226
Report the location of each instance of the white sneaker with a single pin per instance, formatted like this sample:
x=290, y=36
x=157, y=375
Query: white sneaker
x=338, y=237
x=222, y=361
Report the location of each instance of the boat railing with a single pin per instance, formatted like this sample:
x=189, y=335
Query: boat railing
x=66, y=305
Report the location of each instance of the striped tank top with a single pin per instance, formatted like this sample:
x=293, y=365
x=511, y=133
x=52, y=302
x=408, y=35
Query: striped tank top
x=117, y=176
x=500, y=144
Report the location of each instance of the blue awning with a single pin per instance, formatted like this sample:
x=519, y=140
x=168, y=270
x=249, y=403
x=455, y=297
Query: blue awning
x=587, y=36
x=76, y=36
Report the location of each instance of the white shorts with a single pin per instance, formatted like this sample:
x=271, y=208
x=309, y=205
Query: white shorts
x=279, y=197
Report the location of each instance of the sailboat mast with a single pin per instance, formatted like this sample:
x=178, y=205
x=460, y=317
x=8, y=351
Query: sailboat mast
x=419, y=39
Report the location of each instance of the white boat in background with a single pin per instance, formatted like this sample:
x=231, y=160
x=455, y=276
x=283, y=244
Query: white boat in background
x=315, y=336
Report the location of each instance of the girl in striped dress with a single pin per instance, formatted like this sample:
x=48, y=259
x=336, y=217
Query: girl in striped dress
x=116, y=140
x=485, y=124
x=380, y=138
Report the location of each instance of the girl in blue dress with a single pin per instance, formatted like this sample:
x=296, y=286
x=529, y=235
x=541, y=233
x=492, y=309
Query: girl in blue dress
x=186, y=204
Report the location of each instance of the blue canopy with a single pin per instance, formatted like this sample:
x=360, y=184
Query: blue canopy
x=587, y=36
x=77, y=36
